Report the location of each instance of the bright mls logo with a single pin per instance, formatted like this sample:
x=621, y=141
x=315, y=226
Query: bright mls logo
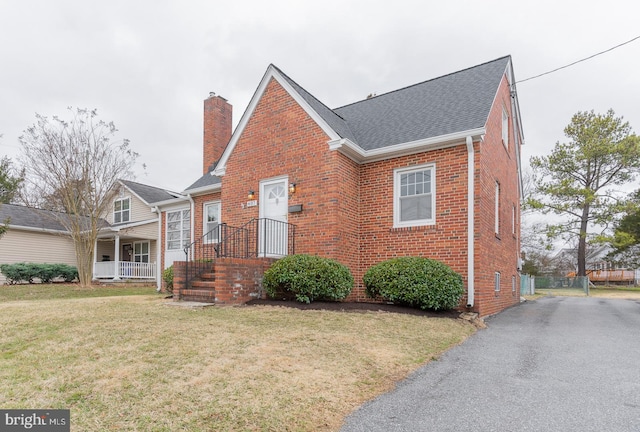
x=34, y=420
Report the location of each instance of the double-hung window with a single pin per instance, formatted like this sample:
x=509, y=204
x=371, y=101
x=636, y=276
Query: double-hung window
x=505, y=128
x=211, y=221
x=178, y=229
x=414, y=196
x=141, y=252
x=122, y=210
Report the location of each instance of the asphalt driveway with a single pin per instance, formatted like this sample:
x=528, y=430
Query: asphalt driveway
x=556, y=364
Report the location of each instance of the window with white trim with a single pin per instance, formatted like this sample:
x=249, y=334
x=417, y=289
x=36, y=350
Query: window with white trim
x=122, y=210
x=178, y=229
x=414, y=196
x=497, y=210
x=513, y=219
x=211, y=213
x=141, y=252
x=505, y=128
x=496, y=282
x=513, y=284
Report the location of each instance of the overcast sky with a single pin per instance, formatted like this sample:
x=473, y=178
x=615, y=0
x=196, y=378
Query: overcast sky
x=148, y=65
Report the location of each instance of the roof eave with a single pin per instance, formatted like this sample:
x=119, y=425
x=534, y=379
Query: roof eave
x=203, y=189
x=359, y=155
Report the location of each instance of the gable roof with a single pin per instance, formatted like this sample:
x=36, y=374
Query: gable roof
x=438, y=112
x=149, y=194
x=205, y=183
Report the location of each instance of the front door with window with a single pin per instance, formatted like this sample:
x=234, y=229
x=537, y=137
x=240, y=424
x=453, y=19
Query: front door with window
x=273, y=230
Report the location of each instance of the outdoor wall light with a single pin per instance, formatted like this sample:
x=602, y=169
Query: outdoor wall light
x=251, y=195
x=292, y=188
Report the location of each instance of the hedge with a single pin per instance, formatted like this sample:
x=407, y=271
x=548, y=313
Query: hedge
x=416, y=282
x=29, y=272
x=307, y=278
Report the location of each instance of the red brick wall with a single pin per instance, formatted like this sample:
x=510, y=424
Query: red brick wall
x=217, y=130
x=240, y=280
x=445, y=241
x=198, y=212
x=280, y=139
x=497, y=253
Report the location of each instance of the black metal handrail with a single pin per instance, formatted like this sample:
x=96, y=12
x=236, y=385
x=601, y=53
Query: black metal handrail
x=257, y=238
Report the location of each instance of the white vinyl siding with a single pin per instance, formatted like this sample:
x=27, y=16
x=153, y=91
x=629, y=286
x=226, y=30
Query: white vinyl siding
x=122, y=210
x=36, y=247
x=414, y=196
x=178, y=229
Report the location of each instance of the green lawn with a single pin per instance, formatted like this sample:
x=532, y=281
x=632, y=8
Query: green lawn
x=133, y=363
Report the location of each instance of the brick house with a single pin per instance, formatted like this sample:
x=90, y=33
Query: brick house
x=431, y=170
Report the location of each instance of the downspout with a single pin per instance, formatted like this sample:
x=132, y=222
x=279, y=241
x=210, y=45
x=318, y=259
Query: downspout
x=159, y=265
x=470, y=224
x=193, y=219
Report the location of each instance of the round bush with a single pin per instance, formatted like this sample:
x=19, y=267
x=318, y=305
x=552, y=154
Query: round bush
x=307, y=278
x=167, y=277
x=416, y=282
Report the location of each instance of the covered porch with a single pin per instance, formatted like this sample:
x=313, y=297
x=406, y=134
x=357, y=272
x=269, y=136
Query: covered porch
x=121, y=257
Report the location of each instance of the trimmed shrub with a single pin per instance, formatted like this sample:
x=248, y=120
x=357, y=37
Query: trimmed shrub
x=307, y=278
x=28, y=272
x=416, y=282
x=167, y=277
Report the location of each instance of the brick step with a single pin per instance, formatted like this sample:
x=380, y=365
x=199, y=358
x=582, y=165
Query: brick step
x=199, y=295
x=208, y=276
x=204, y=284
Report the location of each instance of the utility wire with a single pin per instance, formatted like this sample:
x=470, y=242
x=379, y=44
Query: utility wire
x=579, y=61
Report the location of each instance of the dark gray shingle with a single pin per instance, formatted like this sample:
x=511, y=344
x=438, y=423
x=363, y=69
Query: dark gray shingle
x=148, y=193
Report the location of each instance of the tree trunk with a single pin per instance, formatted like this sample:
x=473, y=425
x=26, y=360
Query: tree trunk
x=582, y=242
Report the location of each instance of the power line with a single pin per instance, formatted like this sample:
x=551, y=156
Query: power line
x=579, y=61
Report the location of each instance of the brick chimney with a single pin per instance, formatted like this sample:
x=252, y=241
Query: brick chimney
x=217, y=129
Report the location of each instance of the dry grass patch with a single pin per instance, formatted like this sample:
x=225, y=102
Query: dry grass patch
x=133, y=363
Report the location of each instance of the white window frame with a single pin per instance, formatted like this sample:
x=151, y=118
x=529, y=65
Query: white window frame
x=397, y=176
x=513, y=219
x=505, y=128
x=496, y=282
x=205, y=222
x=497, y=210
x=513, y=284
x=121, y=212
x=141, y=254
x=185, y=226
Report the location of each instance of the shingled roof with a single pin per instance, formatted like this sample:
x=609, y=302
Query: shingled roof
x=28, y=217
x=149, y=194
x=452, y=103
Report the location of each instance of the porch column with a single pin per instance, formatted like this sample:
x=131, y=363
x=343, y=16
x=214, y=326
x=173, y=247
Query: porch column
x=95, y=258
x=116, y=257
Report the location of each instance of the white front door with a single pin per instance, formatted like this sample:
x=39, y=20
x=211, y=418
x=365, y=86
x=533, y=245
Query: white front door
x=274, y=206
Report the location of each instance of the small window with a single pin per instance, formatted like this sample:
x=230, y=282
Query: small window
x=505, y=128
x=497, y=210
x=513, y=284
x=497, y=282
x=414, y=196
x=513, y=219
x=122, y=210
x=211, y=222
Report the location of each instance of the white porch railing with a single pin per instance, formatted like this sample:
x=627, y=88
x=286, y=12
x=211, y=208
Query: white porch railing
x=124, y=270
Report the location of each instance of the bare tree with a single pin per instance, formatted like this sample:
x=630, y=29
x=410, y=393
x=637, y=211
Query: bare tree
x=71, y=166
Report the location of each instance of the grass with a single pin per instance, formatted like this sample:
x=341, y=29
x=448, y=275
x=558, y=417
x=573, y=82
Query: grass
x=68, y=291
x=134, y=363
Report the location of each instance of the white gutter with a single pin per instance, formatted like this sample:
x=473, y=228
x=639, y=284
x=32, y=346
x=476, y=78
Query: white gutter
x=470, y=224
x=159, y=266
x=193, y=219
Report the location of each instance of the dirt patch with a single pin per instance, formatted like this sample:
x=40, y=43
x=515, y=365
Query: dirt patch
x=356, y=307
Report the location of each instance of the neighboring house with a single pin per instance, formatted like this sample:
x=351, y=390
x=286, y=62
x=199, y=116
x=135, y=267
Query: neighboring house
x=33, y=236
x=599, y=269
x=128, y=247
x=431, y=170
